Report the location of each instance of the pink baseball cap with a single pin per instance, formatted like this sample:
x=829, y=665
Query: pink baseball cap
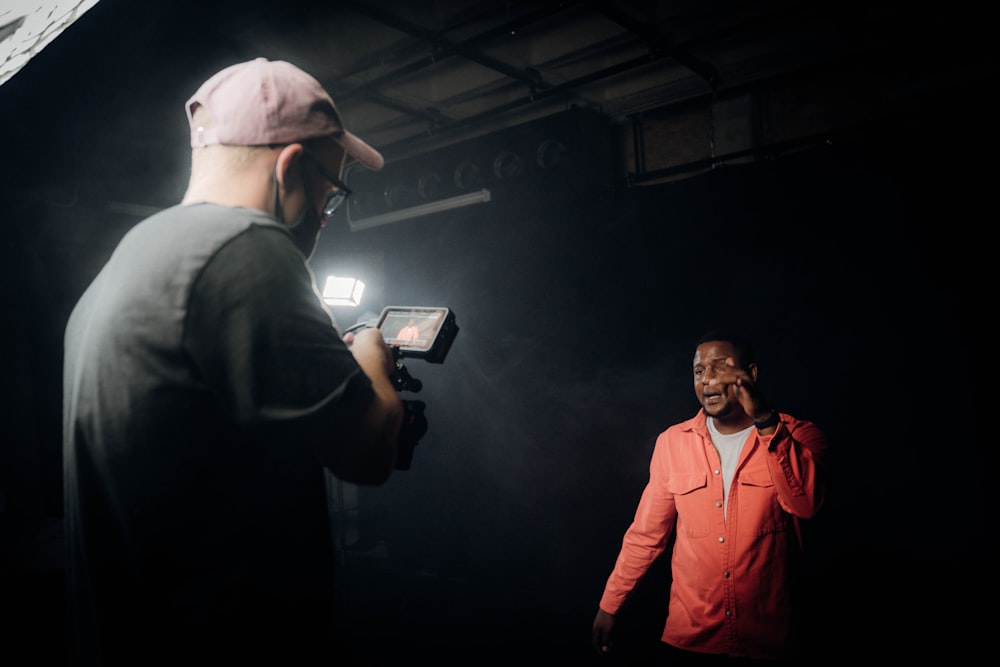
x=262, y=102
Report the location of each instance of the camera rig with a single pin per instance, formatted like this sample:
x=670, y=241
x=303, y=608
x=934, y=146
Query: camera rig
x=415, y=332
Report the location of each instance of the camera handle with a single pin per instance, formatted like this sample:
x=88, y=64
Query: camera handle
x=401, y=378
x=414, y=424
x=413, y=428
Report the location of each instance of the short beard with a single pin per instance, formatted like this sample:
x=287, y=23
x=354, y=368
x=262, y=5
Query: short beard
x=726, y=410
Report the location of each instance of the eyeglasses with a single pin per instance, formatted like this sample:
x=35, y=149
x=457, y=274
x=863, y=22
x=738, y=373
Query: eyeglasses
x=336, y=196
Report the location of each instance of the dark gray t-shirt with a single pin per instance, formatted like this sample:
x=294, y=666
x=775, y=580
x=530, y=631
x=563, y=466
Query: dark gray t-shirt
x=201, y=367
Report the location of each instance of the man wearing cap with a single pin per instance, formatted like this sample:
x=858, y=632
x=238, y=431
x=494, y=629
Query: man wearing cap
x=206, y=388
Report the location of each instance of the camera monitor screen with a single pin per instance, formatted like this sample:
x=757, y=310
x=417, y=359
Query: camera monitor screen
x=416, y=330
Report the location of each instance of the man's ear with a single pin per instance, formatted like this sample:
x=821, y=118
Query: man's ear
x=287, y=168
x=753, y=371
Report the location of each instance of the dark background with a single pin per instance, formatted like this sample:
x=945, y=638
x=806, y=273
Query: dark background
x=860, y=268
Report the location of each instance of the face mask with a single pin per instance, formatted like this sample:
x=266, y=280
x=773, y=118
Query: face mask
x=306, y=228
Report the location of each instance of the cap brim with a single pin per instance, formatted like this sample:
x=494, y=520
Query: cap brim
x=359, y=151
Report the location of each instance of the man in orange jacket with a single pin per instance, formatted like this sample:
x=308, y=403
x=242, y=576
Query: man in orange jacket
x=731, y=486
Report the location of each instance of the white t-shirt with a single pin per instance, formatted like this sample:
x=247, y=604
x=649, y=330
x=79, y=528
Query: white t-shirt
x=729, y=448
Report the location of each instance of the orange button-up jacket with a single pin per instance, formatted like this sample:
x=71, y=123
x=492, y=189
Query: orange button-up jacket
x=731, y=589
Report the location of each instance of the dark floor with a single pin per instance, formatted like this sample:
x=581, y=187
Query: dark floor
x=384, y=616
x=392, y=616
x=31, y=595
x=869, y=604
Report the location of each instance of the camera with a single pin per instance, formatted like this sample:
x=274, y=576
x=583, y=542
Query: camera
x=420, y=333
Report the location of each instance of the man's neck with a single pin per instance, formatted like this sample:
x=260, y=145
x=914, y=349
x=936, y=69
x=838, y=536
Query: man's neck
x=732, y=423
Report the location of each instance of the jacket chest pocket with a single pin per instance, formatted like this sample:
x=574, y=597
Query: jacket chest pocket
x=759, y=511
x=692, y=496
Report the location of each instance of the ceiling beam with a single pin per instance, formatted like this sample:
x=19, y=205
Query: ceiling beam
x=657, y=41
x=442, y=47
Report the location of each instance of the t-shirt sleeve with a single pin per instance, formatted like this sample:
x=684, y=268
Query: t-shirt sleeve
x=257, y=330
